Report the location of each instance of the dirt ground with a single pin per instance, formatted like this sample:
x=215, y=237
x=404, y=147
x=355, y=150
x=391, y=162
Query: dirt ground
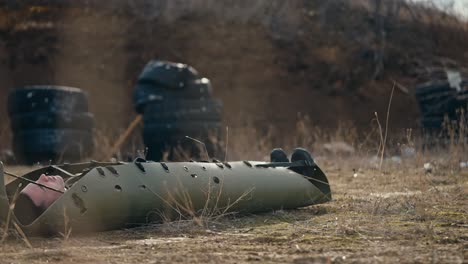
x=397, y=214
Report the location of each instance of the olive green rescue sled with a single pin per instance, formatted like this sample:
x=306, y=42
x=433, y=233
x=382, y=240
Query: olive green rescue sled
x=104, y=196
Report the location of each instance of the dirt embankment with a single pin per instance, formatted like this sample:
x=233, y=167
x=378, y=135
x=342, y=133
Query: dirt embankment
x=268, y=62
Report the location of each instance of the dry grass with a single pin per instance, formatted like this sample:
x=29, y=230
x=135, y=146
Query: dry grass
x=376, y=217
x=398, y=211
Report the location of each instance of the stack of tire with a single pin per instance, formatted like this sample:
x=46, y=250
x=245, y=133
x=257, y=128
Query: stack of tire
x=50, y=124
x=440, y=103
x=176, y=102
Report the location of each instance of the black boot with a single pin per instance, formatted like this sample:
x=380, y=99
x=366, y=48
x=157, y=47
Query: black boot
x=302, y=154
x=311, y=171
x=278, y=155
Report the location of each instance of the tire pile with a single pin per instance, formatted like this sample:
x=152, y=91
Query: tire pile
x=176, y=102
x=438, y=101
x=50, y=123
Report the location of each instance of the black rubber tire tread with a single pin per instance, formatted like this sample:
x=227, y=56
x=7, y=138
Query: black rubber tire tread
x=168, y=74
x=200, y=87
x=179, y=104
x=144, y=94
x=202, y=110
x=437, y=90
x=147, y=93
x=463, y=96
x=439, y=122
x=437, y=86
x=432, y=122
x=436, y=96
x=36, y=145
x=56, y=120
x=444, y=105
x=433, y=87
x=437, y=99
x=46, y=98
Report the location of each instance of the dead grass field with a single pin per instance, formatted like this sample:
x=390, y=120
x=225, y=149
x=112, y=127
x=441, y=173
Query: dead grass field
x=397, y=214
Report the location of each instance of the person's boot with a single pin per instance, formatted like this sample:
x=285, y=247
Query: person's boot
x=312, y=172
x=278, y=155
x=302, y=154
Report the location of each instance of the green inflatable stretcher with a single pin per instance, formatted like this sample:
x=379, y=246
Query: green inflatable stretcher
x=105, y=196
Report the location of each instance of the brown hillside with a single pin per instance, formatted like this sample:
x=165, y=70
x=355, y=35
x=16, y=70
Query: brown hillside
x=268, y=60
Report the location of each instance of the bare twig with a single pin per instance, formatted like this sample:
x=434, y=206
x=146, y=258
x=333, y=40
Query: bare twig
x=227, y=141
x=10, y=212
x=379, y=150
x=66, y=225
x=201, y=142
x=23, y=235
x=17, y=227
x=401, y=87
x=386, y=125
x=383, y=137
x=230, y=205
x=125, y=136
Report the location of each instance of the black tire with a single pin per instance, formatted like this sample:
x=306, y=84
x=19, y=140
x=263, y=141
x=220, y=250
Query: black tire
x=168, y=74
x=462, y=96
x=435, y=97
x=199, y=88
x=144, y=94
x=61, y=120
x=43, y=98
x=443, y=123
x=56, y=145
x=442, y=106
x=433, y=87
x=432, y=123
x=183, y=110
